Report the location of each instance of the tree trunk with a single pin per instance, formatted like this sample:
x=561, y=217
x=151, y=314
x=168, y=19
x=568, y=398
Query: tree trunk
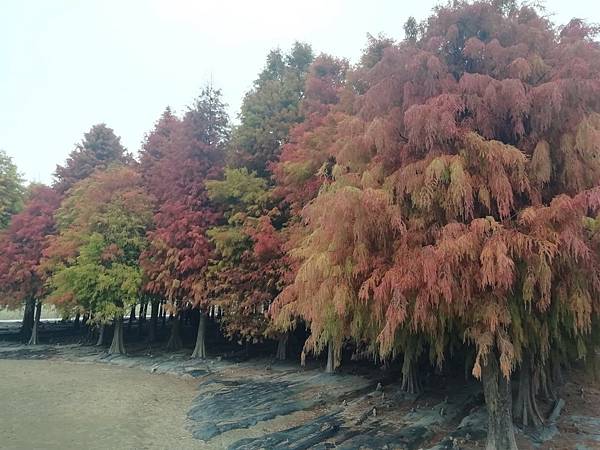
x=117, y=347
x=131, y=317
x=34, y=331
x=76, y=321
x=100, y=340
x=334, y=358
x=175, y=343
x=526, y=409
x=200, y=349
x=142, y=318
x=557, y=374
x=498, y=400
x=282, y=347
x=410, y=378
x=28, y=319
x=153, y=320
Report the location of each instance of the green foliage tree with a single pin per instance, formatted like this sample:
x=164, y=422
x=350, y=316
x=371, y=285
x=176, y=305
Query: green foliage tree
x=269, y=109
x=94, y=258
x=11, y=189
x=245, y=275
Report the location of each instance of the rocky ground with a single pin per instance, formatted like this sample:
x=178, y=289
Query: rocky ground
x=260, y=404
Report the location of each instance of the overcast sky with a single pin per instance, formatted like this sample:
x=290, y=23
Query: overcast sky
x=68, y=64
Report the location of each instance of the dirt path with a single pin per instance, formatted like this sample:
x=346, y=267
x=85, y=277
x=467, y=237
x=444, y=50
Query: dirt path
x=65, y=405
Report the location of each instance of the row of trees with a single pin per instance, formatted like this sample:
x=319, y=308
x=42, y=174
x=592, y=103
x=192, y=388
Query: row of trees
x=437, y=200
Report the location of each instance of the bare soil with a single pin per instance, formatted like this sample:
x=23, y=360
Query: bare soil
x=51, y=404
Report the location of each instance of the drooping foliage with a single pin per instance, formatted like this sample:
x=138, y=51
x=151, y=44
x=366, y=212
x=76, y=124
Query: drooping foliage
x=99, y=149
x=482, y=130
x=11, y=189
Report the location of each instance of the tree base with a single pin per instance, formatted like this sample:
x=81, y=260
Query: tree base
x=175, y=342
x=334, y=358
x=525, y=410
x=410, y=379
x=117, y=347
x=498, y=400
x=282, y=347
x=33, y=340
x=100, y=340
x=28, y=319
x=200, y=348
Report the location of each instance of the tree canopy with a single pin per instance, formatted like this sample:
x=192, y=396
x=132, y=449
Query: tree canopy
x=11, y=189
x=99, y=148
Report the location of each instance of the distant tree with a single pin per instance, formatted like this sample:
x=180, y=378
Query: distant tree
x=93, y=260
x=269, y=109
x=11, y=189
x=21, y=249
x=376, y=45
x=99, y=148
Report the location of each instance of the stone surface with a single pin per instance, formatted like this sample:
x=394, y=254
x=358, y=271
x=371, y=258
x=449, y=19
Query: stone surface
x=249, y=407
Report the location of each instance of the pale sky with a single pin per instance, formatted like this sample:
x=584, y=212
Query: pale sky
x=66, y=65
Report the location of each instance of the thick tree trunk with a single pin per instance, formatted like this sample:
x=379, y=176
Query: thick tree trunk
x=410, y=378
x=153, y=321
x=100, y=340
x=526, y=409
x=175, y=343
x=76, y=321
x=34, y=331
x=200, y=348
x=117, y=347
x=498, y=400
x=28, y=319
x=334, y=358
x=282, y=346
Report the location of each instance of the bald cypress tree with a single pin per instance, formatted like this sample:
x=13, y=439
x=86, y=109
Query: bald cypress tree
x=476, y=140
x=99, y=148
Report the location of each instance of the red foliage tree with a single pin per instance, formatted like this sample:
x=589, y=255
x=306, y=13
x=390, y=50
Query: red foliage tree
x=178, y=156
x=21, y=248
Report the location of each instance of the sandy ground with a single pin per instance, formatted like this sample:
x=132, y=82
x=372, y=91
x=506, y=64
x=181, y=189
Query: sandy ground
x=65, y=405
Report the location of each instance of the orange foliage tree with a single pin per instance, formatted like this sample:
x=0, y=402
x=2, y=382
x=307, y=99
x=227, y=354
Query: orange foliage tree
x=475, y=141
